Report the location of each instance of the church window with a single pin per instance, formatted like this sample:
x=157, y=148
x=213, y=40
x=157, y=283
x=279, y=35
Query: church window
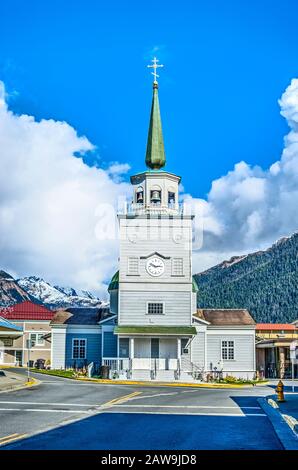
x=79, y=348
x=227, y=350
x=155, y=308
x=133, y=266
x=177, y=267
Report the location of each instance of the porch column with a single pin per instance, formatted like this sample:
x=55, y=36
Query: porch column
x=282, y=366
x=131, y=348
x=179, y=349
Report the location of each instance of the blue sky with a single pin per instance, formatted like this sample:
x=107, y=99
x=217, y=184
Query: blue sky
x=79, y=68
x=226, y=64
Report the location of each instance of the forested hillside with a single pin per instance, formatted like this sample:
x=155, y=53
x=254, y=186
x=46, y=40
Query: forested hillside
x=265, y=282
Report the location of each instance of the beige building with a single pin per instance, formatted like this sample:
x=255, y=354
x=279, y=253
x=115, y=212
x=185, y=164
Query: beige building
x=273, y=349
x=9, y=333
x=34, y=321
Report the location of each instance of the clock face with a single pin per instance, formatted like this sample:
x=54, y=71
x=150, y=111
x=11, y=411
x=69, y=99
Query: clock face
x=155, y=266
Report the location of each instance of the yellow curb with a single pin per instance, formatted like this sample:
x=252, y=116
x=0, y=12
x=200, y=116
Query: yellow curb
x=162, y=384
x=32, y=382
x=156, y=384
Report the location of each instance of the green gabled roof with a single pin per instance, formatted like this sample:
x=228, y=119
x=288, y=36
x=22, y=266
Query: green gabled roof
x=114, y=284
x=195, y=287
x=155, y=330
x=155, y=153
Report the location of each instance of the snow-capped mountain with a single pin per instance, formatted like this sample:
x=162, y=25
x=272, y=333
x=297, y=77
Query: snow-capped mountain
x=10, y=291
x=38, y=290
x=56, y=296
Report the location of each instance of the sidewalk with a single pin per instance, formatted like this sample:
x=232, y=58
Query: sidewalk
x=283, y=417
x=290, y=406
x=12, y=381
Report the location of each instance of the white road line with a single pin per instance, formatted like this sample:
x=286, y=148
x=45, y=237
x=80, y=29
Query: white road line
x=235, y=415
x=44, y=411
x=45, y=403
x=53, y=383
x=156, y=395
x=191, y=406
x=94, y=405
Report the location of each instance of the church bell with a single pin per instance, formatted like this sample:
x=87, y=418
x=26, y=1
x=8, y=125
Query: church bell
x=156, y=197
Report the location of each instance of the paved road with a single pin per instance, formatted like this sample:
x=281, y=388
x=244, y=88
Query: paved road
x=75, y=415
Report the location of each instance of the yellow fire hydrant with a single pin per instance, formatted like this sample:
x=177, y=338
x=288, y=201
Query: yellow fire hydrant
x=280, y=391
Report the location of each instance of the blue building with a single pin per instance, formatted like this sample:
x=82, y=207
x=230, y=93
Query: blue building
x=81, y=336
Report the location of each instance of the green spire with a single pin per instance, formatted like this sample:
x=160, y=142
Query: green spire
x=155, y=154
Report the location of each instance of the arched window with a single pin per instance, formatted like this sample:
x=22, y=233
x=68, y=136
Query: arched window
x=155, y=195
x=171, y=198
x=140, y=195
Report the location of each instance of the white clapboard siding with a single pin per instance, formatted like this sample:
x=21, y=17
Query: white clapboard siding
x=133, y=308
x=244, y=351
x=58, y=348
x=198, y=349
x=142, y=237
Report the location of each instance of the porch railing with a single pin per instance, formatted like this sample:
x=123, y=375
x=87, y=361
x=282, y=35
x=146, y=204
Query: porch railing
x=116, y=363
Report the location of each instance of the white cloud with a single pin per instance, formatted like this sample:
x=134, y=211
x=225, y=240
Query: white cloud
x=254, y=207
x=52, y=205
x=117, y=170
x=49, y=202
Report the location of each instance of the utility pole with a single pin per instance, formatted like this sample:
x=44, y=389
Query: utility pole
x=28, y=361
x=293, y=356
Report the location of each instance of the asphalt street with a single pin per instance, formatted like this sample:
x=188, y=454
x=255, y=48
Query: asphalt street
x=65, y=414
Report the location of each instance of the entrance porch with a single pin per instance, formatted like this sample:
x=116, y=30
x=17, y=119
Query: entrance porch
x=146, y=357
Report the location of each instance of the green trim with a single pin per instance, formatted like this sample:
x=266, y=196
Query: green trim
x=195, y=287
x=114, y=284
x=155, y=330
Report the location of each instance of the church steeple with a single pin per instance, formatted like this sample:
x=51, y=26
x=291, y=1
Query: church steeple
x=155, y=153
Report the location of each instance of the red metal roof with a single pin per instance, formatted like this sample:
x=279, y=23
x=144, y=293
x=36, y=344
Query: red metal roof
x=275, y=326
x=26, y=311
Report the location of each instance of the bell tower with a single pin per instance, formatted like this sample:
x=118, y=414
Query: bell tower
x=154, y=287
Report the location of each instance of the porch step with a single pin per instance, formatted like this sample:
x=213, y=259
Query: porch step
x=165, y=375
x=140, y=374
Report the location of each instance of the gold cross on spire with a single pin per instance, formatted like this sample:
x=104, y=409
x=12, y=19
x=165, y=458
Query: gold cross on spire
x=155, y=66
